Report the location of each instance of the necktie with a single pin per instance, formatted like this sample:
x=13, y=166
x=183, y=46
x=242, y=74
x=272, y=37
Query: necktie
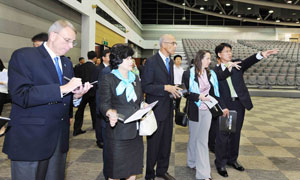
x=167, y=64
x=58, y=70
x=230, y=85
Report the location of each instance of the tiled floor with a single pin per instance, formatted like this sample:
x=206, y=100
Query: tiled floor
x=270, y=147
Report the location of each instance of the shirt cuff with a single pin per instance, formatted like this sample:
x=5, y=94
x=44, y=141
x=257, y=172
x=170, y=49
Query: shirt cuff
x=76, y=102
x=259, y=56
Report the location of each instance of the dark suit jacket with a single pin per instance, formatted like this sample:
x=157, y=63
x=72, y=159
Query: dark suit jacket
x=100, y=71
x=86, y=73
x=39, y=113
x=154, y=77
x=76, y=73
x=109, y=100
x=192, y=97
x=238, y=83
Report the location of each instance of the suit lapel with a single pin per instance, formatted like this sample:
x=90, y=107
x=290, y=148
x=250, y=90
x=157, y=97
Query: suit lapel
x=171, y=65
x=48, y=63
x=64, y=68
x=161, y=64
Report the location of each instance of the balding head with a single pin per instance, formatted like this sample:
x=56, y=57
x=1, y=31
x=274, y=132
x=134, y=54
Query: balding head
x=167, y=44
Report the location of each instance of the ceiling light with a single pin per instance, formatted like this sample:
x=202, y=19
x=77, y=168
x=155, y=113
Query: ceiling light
x=183, y=4
x=294, y=14
x=205, y=0
x=239, y=15
x=297, y=22
x=201, y=8
x=271, y=11
x=289, y=2
x=220, y=12
x=258, y=18
x=249, y=8
x=277, y=20
x=183, y=18
x=227, y=4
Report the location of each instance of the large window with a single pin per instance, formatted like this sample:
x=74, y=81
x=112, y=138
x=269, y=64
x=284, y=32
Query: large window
x=108, y=18
x=135, y=7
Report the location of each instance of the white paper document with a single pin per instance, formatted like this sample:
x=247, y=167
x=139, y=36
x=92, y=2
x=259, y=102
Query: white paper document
x=211, y=103
x=140, y=113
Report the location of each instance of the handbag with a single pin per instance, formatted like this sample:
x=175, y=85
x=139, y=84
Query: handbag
x=181, y=118
x=228, y=123
x=148, y=124
x=216, y=110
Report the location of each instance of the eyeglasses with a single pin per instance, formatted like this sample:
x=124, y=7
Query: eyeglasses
x=67, y=40
x=173, y=43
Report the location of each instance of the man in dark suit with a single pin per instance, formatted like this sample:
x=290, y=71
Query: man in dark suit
x=157, y=83
x=100, y=118
x=86, y=73
x=37, y=139
x=76, y=67
x=100, y=122
x=235, y=96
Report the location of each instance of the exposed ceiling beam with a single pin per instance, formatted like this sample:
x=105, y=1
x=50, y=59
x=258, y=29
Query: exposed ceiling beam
x=296, y=2
x=230, y=12
x=267, y=16
x=220, y=6
x=227, y=16
x=187, y=3
x=270, y=4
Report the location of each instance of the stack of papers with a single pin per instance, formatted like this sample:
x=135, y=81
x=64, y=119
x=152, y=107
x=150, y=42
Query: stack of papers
x=140, y=113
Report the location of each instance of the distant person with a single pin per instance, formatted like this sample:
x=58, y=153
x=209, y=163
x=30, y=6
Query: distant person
x=135, y=70
x=124, y=146
x=4, y=97
x=142, y=64
x=235, y=95
x=37, y=140
x=81, y=61
x=178, y=71
x=39, y=39
x=99, y=124
x=86, y=73
x=98, y=62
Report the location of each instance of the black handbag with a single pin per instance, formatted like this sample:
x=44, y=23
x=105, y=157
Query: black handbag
x=181, y=118
x=216, y=111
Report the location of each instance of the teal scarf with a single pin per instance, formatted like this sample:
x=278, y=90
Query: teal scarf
x=125, y=84
x=194, y=86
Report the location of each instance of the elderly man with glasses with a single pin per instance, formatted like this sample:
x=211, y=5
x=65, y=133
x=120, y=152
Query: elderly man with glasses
x=158, y=84
x=42, y=88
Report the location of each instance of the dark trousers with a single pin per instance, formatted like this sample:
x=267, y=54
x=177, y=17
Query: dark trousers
x=98, y=129
x=103, y=129
x=49, y=169
x=213, y=133
x=80, y=111
x=159, y=148
x=227, y=144
x=3, y=100
x=177, y=104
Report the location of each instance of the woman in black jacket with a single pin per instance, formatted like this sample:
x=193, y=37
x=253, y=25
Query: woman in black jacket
x=200, y=81
x=121, y=95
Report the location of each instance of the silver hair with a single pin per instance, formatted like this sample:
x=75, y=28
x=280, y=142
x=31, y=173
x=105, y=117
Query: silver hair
x=162, y=38
x=59, y=25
